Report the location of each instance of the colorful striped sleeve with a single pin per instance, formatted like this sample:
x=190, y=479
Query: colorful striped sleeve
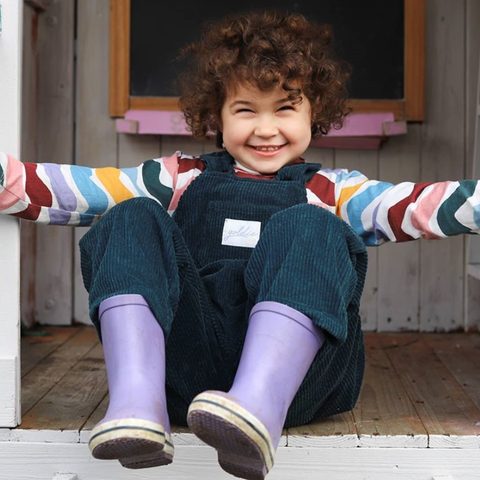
x=76, y=195
x=381, y=211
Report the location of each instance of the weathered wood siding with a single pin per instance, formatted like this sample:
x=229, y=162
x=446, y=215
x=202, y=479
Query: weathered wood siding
x=48, y=115
x=419, y=286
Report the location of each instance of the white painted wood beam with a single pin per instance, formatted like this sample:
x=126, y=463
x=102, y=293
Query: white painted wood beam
x=42, y=461
x=10, y=121
x=65, y=476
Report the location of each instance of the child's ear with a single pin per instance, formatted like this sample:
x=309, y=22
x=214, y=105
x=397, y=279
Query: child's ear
x=218, y=122
x=219, y=140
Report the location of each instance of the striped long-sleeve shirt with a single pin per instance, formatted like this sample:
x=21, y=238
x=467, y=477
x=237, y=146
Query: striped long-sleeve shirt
x=378, y=211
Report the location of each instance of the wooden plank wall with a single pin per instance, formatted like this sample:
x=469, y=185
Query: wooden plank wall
x=417, y=286
x=48, y=114
x=28, y=230
x=472, y=290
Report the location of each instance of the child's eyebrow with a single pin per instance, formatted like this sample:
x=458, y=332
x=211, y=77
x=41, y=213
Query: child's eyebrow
x=246, y=102
x=239, y=102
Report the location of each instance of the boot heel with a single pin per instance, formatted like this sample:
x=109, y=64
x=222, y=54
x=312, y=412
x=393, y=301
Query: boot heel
x=242, y=467
x=242, y=442
x=159, y=458
x=125, y=438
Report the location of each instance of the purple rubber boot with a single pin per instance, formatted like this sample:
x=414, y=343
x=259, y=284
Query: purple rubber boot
x=245, y=424
x=136, y=428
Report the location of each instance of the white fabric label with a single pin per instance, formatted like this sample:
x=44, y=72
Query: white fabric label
x=241, y=233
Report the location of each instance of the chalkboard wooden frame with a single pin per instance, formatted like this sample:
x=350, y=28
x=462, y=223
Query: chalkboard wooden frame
x=411, y=108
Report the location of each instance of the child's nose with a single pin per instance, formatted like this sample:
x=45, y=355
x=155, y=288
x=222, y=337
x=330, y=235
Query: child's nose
x=265, y=128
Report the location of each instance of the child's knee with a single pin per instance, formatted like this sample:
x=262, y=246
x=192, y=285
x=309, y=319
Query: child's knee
x=136, y=212
x=305, y=219
x=305, y=211
x=138, y=215
x=136, y=204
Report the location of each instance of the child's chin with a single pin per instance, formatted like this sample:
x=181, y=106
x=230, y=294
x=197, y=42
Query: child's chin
x=274, y=168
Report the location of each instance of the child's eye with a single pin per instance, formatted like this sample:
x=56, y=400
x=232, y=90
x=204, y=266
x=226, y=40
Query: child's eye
x=287, y=107
x=244, y=110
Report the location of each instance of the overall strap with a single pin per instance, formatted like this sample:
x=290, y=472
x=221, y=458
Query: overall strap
x=223, y=162
x=299, y=172
x=219, y=162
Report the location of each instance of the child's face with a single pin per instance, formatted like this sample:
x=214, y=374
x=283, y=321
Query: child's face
x=263, y=130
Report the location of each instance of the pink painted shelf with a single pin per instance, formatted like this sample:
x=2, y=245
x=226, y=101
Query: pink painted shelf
x=362, y=130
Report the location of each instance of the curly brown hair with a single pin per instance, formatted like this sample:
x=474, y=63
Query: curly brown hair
x=265, y=49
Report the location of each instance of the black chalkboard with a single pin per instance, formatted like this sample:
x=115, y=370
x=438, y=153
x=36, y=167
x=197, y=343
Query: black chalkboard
x=369, y=34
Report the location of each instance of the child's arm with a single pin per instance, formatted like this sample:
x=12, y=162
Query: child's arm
x=74, y=195
x=381, y=211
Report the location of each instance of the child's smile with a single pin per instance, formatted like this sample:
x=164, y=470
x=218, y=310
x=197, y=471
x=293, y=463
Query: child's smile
x=268, y=150
x=263, y=130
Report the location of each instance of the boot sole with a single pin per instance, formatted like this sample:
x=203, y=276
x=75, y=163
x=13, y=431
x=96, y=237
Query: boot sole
x=242, y=442
x=156, y=459
x=135, y=443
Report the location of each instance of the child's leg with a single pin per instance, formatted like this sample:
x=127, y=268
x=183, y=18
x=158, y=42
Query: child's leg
x=135, y=258
x=305, y=277
x=319, y=269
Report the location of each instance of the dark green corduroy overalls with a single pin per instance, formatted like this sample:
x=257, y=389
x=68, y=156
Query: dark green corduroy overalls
x=201, y=287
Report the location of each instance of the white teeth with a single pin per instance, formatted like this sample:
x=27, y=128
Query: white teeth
x=267, y=149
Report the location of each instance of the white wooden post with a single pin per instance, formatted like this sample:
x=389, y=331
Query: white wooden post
x=10, y=118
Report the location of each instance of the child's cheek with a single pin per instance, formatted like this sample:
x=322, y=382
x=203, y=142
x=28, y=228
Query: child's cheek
x=237, y=136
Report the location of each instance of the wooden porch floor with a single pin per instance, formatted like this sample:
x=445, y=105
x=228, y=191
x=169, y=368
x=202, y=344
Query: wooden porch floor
x=420, y=390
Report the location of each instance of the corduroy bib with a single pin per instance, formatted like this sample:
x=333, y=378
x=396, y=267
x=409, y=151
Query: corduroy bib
x=218, y=195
